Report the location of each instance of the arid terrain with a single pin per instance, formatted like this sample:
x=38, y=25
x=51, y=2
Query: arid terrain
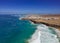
x=50, y=20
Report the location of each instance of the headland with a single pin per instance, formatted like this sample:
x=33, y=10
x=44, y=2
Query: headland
x=49, y=20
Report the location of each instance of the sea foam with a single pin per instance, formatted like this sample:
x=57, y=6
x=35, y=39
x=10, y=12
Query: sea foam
x=42, y=35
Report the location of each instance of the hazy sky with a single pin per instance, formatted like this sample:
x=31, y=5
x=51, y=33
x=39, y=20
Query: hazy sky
x=30, y=6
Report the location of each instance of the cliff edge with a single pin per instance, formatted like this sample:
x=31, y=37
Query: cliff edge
x=49, y=20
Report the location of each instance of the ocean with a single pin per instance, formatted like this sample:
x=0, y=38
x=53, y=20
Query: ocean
x=13, y=30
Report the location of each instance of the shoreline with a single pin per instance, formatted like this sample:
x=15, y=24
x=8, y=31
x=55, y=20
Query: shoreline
x=49, y=20
x=55, y=23
x=37, y=35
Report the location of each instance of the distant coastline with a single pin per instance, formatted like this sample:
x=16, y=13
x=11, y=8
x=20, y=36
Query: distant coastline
x=49, y=20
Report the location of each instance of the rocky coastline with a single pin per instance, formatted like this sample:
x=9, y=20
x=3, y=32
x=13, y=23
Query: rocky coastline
x=49, y=20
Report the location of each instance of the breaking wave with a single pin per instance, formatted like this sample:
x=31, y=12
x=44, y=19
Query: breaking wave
x=44, y=34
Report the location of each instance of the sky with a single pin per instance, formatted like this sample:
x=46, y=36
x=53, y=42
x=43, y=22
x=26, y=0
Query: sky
x=30, y=6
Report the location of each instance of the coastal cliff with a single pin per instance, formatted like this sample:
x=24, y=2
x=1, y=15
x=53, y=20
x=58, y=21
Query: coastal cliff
x=49, y=20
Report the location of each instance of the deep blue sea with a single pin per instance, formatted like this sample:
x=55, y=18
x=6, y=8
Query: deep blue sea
x=13, y=30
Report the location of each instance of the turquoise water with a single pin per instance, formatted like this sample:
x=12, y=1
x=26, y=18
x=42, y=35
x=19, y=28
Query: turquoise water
x=13, y=30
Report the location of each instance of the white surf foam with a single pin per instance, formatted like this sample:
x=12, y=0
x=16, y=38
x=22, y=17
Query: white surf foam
x=35, y=37
x=41, y=36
